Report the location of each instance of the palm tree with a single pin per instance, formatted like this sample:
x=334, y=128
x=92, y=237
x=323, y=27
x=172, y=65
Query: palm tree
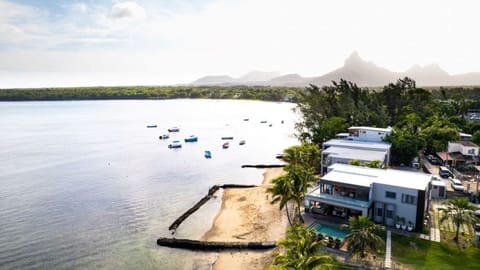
x=307, y=155
x=292, y=187
x=459, y=210
x=364, y=235
x=302, y=178
x=282, y=193
x=301, y=251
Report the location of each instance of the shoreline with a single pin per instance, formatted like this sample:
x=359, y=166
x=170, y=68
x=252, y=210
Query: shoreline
x=247, y=215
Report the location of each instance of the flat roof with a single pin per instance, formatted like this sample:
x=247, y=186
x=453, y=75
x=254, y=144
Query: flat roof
x=360, y=154
x=465, y=143
x=388, y=129
x=358, y=144
x=363, y=176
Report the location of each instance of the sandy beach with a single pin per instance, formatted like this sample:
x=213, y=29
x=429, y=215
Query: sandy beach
x=247, y=215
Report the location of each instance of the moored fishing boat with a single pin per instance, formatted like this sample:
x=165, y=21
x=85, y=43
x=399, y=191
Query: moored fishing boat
x=151, y=126
x=164, y=136
x=175, y=144
x=192, y=138
x=207, y=154
x=242, y=142
x=173, y=129
x=225, y=145
x=227, y=138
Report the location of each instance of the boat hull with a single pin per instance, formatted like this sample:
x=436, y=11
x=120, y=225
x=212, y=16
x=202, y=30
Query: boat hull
x=191, y=139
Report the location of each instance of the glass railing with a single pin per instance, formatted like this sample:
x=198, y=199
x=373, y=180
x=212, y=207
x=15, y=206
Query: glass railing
x=341, y=199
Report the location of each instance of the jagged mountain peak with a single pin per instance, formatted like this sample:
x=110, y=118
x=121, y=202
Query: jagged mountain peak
x=355, y=69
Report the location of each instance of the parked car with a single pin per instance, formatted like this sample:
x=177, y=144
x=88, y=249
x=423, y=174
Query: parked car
x=444, y=172
x=457, y=184
x=433, y=160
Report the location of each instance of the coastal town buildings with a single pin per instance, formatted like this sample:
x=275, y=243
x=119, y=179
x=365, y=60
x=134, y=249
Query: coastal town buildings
x=365, y=144
x=460, y=154
x=383, y=195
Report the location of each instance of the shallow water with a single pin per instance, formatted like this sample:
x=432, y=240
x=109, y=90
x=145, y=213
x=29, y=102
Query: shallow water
x=84, y=184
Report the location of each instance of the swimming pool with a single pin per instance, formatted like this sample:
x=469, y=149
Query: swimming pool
x=330, y=231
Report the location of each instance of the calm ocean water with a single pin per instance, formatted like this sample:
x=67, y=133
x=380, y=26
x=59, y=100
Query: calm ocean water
x=84, y=184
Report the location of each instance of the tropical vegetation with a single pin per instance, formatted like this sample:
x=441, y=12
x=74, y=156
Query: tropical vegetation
x=302, y=162
x=364, y=236
x=267, y=93
x=459, y=211
x=301, y=251
x=421, y=118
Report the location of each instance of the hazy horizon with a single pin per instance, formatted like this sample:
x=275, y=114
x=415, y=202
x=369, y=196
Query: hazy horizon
x=147, y=42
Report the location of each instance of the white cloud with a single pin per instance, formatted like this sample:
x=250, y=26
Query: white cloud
x=19, y=23
x=80, y=7
x=234, y=37
x=127, y=11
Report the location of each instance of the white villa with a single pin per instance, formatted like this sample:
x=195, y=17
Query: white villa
x=360, y=143
x=380, y=194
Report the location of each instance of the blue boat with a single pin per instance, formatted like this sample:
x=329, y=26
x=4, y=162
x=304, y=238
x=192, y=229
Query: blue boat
x=192, y=138
x=208, y=154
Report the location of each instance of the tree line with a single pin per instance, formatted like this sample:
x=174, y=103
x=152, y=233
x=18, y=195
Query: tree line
x=422, y=118
x=266, y=93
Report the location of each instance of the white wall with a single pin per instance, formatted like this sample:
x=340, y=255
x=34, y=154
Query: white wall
x=408, y=211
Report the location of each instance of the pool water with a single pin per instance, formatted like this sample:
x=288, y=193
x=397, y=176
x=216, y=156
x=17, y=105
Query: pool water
x=330, y=231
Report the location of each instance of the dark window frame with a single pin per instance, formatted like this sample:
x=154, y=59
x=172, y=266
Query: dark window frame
x=388, y=194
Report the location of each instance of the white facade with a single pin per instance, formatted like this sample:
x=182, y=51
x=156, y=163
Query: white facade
x=368, y=134
x=465, y=147
x=343, y=151
x=380, y=194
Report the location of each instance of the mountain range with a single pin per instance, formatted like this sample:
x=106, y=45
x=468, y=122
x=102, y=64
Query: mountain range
x=356, y=70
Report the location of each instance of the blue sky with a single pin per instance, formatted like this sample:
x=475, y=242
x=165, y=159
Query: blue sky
x=145, y=42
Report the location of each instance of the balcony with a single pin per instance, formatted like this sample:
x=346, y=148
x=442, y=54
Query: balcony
x=337, y=199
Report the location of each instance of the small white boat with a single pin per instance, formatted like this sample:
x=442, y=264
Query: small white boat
x=175, y=144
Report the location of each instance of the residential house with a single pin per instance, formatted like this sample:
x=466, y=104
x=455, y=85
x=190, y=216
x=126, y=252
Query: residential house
x=360, y=143
x=460, y=154
x=380, y=194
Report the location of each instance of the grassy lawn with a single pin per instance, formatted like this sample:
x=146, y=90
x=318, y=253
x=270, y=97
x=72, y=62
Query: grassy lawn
x=422, y=254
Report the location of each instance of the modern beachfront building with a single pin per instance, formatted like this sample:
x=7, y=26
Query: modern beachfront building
x=380, y=194
x=365, y=144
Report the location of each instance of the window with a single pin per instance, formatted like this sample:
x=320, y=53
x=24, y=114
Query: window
x=471, y=151
x=409, y=199
x=379, y=212
x=391, y=195
x=389, y=214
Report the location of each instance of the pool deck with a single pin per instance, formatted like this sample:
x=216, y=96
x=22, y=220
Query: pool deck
x=309, y=220
x=330, y=221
